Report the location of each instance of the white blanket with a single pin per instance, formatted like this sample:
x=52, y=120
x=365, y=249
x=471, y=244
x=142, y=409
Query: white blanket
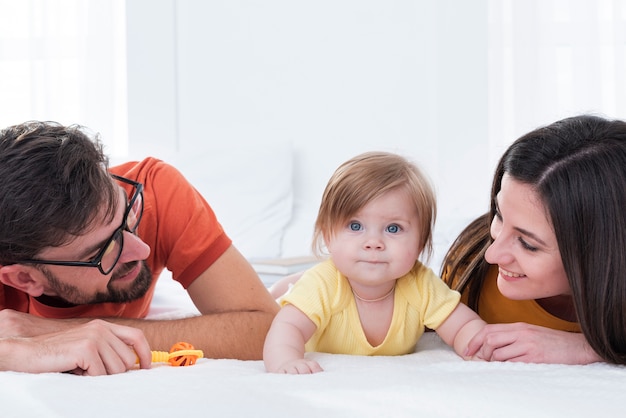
x=432, y=382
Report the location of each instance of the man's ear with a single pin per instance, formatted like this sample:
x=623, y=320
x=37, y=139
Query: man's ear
x=20, y=277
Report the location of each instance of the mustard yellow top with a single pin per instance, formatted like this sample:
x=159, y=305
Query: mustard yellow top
x=420, y=299
x=494, y=308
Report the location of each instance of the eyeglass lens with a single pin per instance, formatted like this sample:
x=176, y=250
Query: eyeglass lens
x=134, y=213
x=114, y=249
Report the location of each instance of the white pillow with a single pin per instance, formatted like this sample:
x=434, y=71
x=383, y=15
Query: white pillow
x=250, y=189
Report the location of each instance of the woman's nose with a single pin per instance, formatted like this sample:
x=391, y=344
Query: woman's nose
x=498, y=252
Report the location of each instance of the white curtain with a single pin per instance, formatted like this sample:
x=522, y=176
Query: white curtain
x=65, y=60
x=550, y=59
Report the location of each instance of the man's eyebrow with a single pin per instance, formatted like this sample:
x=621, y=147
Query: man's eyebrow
x=93, y=249
x=99, y=245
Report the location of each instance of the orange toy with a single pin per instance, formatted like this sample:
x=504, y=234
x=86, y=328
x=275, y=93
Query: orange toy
x=181, y=354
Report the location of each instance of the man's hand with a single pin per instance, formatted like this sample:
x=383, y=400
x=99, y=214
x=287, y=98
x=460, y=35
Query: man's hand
x=94, y=348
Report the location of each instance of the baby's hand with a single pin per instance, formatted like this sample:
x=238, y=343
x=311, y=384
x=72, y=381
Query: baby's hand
x=300, y=366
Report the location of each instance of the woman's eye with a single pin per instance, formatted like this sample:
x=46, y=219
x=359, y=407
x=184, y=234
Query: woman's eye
x=355, y=226
x=526, y=245
x=393, y=228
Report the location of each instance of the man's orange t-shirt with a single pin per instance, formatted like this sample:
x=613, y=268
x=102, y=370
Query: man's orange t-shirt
x=179, y=226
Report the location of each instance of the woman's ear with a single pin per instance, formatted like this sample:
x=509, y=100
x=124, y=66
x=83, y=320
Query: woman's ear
x=20, y=277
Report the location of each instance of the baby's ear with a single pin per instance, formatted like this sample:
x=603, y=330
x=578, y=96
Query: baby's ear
x=20, y=277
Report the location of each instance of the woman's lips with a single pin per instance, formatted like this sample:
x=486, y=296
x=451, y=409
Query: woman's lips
x=509, y=275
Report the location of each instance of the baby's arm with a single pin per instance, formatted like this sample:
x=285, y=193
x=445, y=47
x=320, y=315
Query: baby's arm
x=459, y=328
x=283, y=351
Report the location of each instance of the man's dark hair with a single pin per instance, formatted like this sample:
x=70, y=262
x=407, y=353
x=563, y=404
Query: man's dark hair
x=53, y=185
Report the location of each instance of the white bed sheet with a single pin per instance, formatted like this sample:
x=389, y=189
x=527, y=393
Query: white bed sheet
x=432, y=382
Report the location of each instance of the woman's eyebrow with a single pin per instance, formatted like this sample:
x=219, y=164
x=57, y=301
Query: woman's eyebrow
x=531, y=235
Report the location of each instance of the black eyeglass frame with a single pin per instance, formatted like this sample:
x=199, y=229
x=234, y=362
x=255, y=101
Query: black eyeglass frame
x=117, y=234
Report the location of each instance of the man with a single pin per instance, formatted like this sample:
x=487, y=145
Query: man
x=78, y=242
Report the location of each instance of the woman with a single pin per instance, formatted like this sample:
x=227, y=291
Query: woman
x=555, y=264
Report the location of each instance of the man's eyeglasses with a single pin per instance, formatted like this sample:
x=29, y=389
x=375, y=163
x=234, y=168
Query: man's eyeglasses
x=107, y=257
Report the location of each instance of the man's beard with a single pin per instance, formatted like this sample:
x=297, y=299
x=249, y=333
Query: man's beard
x=72, y=294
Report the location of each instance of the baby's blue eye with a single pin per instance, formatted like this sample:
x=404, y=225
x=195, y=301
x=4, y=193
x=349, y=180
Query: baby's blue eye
x=393, y=228
x=355, y=226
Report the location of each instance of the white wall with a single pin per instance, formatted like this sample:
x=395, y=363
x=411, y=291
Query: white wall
x=333, y=78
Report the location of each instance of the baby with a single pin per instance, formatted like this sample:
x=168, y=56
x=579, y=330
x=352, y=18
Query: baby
x=371, y=296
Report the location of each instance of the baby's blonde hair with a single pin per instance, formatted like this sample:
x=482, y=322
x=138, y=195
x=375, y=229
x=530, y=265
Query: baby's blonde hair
x=362, y=179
